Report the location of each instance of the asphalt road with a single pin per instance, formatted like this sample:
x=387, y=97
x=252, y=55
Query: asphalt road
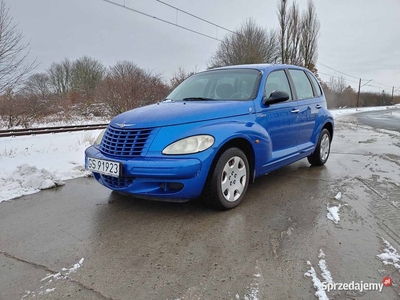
x=387, y=119
x=137, y=249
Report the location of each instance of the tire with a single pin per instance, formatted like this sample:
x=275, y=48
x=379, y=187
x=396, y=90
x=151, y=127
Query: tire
x=228, y=181
x=322, y=150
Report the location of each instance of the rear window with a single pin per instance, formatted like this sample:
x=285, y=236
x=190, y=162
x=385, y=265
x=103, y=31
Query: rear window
x=315, y=84
x=302, y=84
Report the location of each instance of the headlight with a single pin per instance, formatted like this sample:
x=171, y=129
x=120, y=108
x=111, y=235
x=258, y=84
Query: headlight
x=99, y=138
x=190, y=145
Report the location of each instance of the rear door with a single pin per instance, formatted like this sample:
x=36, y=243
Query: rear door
x=308, y=99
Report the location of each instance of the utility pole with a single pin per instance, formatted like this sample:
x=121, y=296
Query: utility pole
x=358, y=97
x=392, y=95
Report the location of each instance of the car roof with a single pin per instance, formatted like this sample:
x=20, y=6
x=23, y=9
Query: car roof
x=261, y=67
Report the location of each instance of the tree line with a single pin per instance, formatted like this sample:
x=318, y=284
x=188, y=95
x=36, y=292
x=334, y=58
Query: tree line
x=294, y=42
x=81, y=87
x=86, y=87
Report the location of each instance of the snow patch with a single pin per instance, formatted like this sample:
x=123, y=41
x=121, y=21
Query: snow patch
x=390, y=256
x=27, y=180
x=252, y=292
x=320, y=293
x=326, y=275
x=49, y=290
x=350, y=111
x=47, y=282
x=333, y=213
x=29, y=164
x=338, y=196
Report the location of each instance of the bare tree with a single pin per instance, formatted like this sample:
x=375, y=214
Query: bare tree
x=13, y=109
x=298, y=34
x=36, y=96
x=37, y=85
x=13, y=52
x=249, y=44
x=293, y=35
x=310, y=30
x=60, y=77
x=87, y=73
x=127, y=86
x=290, y=32
x=282, y=16
x=341, y=92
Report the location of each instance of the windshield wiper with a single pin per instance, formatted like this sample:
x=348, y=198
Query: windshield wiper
x=196, y=99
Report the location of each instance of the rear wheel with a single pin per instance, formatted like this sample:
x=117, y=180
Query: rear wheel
x=322, y=150
x=227, y=183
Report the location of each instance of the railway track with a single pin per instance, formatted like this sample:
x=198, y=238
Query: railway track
x=47, y=130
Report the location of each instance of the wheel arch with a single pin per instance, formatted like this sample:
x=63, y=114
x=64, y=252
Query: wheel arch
x=329, y=126
x=242, y=144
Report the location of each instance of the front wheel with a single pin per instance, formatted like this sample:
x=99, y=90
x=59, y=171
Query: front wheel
x=227, y=183
x=322, y=149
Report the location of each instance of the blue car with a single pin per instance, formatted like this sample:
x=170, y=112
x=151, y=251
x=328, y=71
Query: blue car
x=214, y=134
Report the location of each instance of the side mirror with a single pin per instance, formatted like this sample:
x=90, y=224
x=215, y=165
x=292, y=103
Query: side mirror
x=276, y=97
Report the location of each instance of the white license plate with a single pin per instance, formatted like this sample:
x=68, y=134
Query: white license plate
x=103, y=166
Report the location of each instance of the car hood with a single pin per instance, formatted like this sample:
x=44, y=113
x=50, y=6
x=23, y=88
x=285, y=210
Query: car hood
x=173, y=113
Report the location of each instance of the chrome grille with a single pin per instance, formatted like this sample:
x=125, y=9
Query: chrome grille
x=125, y=142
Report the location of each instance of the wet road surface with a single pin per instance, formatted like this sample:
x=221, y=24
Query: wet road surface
x=387, y=119
x=137, y=249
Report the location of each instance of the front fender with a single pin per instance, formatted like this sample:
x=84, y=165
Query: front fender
x=252, y=132
x=223, y=131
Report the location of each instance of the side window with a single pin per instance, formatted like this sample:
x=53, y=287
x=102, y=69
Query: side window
x=302, y=84
x=278, y=81
x=315, y=84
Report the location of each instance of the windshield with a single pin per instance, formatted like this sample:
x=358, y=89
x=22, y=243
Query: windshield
x=228, y=84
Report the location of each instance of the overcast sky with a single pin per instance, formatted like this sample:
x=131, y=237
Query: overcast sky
x=358, y=37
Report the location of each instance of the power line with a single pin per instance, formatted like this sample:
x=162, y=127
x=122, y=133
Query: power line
x=354, y=77
x=336, y=77
x=383, y=84
x=162, y=20
x=337, y=70
x=216, y=38
x=366, y=82
x=194, y=16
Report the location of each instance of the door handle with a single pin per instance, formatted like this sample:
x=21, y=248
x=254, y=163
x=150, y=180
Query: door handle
x=295, y=111
x=318, y=106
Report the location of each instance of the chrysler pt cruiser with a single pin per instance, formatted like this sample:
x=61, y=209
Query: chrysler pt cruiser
x=214, y=134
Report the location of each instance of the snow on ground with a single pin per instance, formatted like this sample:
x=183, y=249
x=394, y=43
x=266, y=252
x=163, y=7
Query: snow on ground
x=252, y=292
x=333, y=210
x=390, y=256
x=31, y=163
x=326, y=275
x=349, y=111
x=333, y=213
x=47, y=283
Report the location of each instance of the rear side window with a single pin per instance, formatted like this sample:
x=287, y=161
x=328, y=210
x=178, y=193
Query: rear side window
x=315, y=84
x=277, y=81
x=302, y=84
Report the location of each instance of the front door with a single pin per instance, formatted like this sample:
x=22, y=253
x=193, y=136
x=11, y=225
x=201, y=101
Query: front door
x=280, y=121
